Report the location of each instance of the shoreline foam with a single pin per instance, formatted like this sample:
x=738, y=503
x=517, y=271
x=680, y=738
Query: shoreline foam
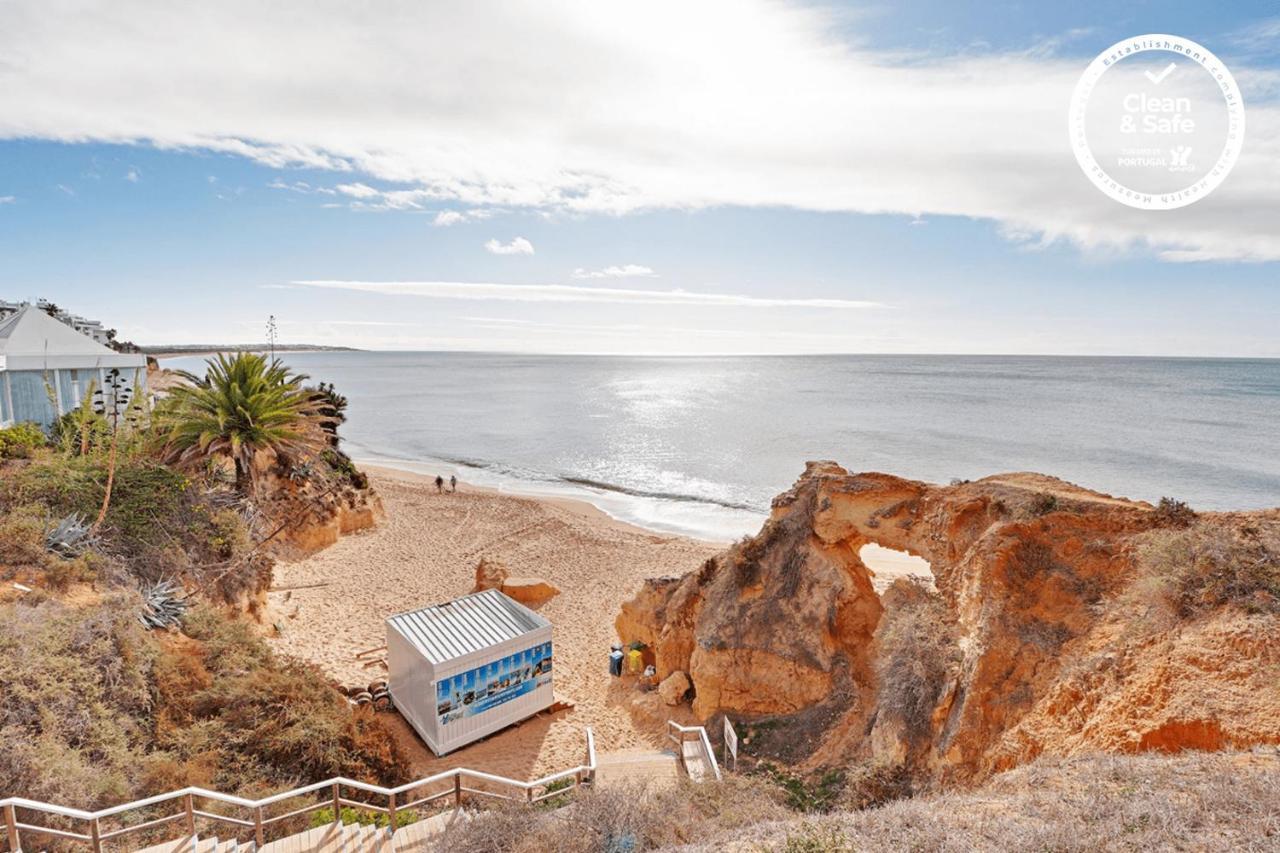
x=667, y=515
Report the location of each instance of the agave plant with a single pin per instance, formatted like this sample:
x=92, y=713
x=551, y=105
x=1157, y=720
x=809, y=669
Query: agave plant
x=243, y=405
x=163, y=604
x=70, y=537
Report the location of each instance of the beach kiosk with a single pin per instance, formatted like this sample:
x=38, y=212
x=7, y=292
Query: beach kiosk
x=464, y=669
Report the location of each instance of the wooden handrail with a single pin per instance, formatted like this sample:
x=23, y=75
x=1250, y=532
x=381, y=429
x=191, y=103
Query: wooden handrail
x=189, y=795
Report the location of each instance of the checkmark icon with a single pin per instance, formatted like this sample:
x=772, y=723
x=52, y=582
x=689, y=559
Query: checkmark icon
x=1159, y=78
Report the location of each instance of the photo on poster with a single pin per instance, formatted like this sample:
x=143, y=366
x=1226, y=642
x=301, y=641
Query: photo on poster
x=492, y=684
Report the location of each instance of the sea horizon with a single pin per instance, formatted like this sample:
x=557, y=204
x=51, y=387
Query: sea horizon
x=700, y=445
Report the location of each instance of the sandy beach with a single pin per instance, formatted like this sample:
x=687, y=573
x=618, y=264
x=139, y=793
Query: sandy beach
x=426, y=551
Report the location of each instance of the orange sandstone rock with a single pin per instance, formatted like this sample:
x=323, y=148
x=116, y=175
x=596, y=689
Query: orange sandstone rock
x=1039, y=579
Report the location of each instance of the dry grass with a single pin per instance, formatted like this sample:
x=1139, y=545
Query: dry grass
x=22, y=536
x=1203, y=567
x=1196, y=801
x=98, y=711
x=917, y=651
x=620, y=818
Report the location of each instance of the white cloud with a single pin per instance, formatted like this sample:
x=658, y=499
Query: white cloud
x=298, y=187
x=358, y=190
x=489, y=291
x=567, y=106
x=133, y=175
x=445, y=218
x=518, y=246
x=66, y=190
x=8, y=199
x=624, y=271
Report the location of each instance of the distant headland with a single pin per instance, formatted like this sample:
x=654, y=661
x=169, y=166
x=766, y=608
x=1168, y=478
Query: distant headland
x=172, y=350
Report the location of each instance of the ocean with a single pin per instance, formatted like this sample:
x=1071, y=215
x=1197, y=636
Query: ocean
x=700, y=445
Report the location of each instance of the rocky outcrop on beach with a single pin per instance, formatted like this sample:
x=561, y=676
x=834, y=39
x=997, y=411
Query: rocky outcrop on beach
x=1063, y=621
x=533, y=592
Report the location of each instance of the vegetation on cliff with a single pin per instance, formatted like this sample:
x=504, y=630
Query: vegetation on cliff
x=97, y=708
x=243, y=406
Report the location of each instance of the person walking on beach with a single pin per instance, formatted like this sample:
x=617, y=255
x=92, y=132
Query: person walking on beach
x=439, y=484
x=453, y=482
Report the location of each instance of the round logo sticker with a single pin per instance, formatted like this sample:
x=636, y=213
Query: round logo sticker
x=1157, y=122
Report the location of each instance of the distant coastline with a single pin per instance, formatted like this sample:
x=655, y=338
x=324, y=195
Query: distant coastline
x=179, y=350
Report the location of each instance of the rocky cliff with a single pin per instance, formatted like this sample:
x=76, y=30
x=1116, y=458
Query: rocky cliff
x=307, y=511
x=1063, y=621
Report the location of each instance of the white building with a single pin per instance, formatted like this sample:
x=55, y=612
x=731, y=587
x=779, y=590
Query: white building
x=39, y=353
x=464, y=669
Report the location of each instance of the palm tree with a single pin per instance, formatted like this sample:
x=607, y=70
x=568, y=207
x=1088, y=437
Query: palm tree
x=243, y=405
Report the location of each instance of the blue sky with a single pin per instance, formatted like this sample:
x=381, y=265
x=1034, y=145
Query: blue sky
x=749, y=182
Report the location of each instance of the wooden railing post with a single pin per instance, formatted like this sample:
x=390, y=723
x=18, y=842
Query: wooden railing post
x=457, y=790
x=337, y=803
x=391, y=812
x=191, y=815
x=95, y=835
x=257, y=826
x=11, y=828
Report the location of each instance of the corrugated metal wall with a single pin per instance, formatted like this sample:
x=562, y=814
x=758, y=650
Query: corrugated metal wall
x=412, y=681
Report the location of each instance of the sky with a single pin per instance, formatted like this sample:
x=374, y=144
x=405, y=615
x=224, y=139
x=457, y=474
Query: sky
x=730, y=176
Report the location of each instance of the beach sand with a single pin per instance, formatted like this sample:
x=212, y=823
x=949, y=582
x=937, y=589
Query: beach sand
x=426, y=551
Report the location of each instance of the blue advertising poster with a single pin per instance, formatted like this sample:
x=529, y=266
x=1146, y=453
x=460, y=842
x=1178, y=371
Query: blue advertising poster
x=492, y=684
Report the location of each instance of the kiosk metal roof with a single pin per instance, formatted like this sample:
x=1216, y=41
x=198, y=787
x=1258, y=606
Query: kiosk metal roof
x=444, y=632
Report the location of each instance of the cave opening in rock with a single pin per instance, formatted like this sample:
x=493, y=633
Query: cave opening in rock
x=889, y=564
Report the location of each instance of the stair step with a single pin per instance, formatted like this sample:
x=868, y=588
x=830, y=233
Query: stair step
x=420, y=836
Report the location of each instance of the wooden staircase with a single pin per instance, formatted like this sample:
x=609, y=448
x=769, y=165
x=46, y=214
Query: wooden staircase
x=104, y=829
x=417, y=837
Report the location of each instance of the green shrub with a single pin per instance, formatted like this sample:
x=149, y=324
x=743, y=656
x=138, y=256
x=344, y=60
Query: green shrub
x=81, y=432
x=160, y=524
x=813, y=794
x=364, y=817
x=21, y=440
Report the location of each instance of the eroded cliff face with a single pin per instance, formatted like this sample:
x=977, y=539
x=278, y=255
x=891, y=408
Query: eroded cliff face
x=1047, y=635
x=774, y=625
x=306, y=514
